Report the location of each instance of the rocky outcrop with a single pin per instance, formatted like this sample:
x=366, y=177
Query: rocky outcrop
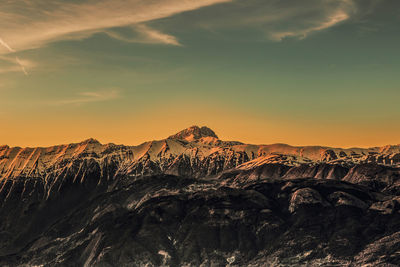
x=304, y=198
x=380, y=177
x=176, y=221
x=376, y=176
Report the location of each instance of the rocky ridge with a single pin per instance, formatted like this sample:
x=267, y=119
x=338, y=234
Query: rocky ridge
x=195, y=152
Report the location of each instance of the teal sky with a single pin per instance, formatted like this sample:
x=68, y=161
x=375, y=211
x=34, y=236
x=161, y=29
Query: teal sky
x=298, y=72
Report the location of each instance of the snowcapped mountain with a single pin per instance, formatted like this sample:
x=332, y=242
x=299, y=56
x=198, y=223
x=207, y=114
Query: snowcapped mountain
x=194, y=152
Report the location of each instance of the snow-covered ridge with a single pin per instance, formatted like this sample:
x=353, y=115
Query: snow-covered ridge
x=193, y=150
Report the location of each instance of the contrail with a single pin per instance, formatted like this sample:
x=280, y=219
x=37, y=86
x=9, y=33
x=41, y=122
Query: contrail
x=22, y=66
x=16, y=58
x=6, y=45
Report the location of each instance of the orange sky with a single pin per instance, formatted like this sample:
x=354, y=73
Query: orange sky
x=133, y=129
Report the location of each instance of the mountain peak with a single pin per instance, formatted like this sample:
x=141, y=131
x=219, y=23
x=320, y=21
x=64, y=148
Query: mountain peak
x=90, y=141
x=194, y=133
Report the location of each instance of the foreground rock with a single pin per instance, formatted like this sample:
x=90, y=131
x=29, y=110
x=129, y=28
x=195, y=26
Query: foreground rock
x=175, y=221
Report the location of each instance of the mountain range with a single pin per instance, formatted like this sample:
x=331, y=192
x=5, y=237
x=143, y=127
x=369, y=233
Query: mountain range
x=198, y=147
x=192, y=199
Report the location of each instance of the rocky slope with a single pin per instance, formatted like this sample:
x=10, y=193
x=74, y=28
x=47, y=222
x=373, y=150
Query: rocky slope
x=195, y=200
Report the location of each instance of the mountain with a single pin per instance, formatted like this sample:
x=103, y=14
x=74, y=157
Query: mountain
x=195, y=200
x=198, y=152
x=195, y=133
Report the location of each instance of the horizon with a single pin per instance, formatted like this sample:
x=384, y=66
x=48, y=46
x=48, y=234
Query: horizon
x=167, y=137
x=309, y=73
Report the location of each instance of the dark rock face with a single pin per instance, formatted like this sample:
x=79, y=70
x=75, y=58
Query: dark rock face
x=168, y=220
x=380, y=177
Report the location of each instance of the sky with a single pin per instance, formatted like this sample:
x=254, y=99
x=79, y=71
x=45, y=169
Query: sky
x=310, y=72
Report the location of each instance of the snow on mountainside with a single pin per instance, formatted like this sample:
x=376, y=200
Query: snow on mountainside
x=194, y=152
x=195, y=133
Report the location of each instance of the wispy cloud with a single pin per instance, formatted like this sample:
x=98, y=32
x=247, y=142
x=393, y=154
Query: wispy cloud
x=280, y=19
x=155, y=36
x=21, y=65
x=15, y=64
x=30, y=24
x=144, y=34
x=88, y=97
x=17, y=60
x=6, y=46
x=302, y=32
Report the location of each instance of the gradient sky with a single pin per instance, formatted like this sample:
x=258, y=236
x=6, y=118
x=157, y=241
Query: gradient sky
x=310, y=72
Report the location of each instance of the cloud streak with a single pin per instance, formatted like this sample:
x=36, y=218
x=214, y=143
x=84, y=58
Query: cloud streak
x=28, y=24
x=144, y=34
x=15, y=64
x=21, y=65
x=6, y=46
x=89, y=97
x=334, y=12
x=17, y=60
x=280, y=19
x=31, y=24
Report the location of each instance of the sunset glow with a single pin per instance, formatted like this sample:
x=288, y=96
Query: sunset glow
x=262, y=72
